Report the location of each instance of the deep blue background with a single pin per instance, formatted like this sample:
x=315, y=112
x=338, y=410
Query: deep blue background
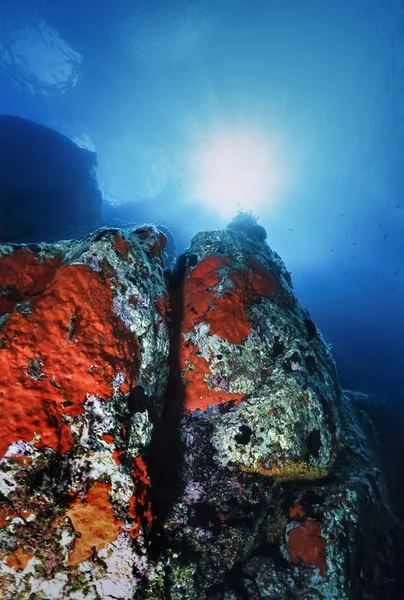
x=140, y=81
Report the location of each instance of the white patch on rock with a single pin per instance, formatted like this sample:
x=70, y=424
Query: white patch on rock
x=53, y=589
x=119, y=558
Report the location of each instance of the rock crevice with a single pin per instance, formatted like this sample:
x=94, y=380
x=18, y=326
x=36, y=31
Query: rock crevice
x=178, y=436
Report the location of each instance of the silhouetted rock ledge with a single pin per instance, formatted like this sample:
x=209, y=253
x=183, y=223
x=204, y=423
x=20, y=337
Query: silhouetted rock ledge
x=180, y=437
x=48, y=186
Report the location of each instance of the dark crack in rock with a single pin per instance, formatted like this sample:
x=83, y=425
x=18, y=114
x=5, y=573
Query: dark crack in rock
x=181, y=442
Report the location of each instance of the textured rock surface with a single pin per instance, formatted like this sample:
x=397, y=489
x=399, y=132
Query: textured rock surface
x=235, y=467
x=277, y=482
x=83, y=344
x=246, y=341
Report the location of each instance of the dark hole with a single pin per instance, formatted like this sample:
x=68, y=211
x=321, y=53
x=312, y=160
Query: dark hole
x=192, y=260
x=311, y=364
x=37, y=479
x=205, y=516
x=138, y=401
x=314, y=443
x=278, y=348
x=244, y=435
x=311, y=329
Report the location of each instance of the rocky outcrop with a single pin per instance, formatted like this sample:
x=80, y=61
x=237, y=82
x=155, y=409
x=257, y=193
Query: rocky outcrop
x=83, y=343
x=181, y=436
x=281, y=496
x=48, y=186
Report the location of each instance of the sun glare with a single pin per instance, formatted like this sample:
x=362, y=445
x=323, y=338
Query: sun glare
x=234, y=169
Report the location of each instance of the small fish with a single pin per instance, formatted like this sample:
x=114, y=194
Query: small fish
x=384, y=237
x=398, y=205
x=346, y=273
x=290, y=229
x=342, y=214
x=354, y=243
x=395, y=272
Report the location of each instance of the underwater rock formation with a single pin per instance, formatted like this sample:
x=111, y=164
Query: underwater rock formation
x=179, y=437
x=48, y=187
x=83, y=338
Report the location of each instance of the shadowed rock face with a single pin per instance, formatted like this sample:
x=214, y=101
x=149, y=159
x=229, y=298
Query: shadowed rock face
x=47, y=183
x=185, y=440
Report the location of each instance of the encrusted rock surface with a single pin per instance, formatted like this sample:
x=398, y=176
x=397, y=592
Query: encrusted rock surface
x=197, y=448
x=83, y=343
x=245, y=340
x=277, y=478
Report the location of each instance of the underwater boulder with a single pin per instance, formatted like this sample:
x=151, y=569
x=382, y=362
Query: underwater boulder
x=48, y=187
x=278, y=479
x=83, y=337
x=179, y=435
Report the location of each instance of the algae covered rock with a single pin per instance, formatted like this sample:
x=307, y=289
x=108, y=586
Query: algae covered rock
x=83, y=337
x=277, y=474
x=179, y=435
x=248, y=347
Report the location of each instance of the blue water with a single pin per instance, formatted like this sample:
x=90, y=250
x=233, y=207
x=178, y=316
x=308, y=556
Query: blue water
x=148, y=84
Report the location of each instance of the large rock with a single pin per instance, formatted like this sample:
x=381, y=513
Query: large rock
x=233, y=467
x=48, y=188
x=84, y=351
x=279, y=495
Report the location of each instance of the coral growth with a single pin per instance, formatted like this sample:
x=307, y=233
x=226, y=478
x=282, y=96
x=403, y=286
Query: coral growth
x=197, y=393
x=77, y=344
x=305, y=543
x=94, y=522
x=108, y=492
x=24, y=275
x=75, y=488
